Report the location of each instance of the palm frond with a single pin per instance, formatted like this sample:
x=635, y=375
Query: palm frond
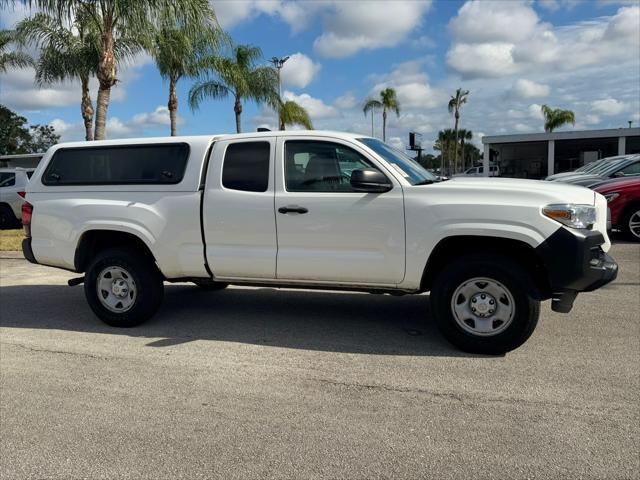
x=204, y=89
x=371, y=104
x=555, y=118
x=15, y=59
x=290, y=113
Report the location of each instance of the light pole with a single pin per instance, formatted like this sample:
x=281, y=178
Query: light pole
x=279, y=63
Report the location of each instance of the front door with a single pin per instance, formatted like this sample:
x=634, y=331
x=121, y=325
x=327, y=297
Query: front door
x=326, y=231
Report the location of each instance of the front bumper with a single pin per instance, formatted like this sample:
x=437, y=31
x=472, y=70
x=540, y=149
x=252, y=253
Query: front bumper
x=575, y=262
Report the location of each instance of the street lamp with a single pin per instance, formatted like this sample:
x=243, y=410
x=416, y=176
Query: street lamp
x=279, y=63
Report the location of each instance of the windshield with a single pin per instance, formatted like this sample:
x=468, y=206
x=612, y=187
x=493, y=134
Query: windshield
x=411, y=170
x=589, y=167
x=610, y=167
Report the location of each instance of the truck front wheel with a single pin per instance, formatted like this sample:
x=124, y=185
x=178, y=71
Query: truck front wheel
x=485, y=304
x=123, y=288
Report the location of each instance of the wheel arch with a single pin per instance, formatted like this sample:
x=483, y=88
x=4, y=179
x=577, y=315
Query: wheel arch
x=453, y=247
x=92, y=242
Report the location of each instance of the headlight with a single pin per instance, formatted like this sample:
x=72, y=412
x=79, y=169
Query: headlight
x=571, y=215
x=611, y=196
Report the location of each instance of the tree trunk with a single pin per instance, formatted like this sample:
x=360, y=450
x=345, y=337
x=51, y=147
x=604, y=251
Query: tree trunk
x=384, y=125
x=455, y=145
x=237, y=108
x=86, y=109
x=173, y=106
x=107, y=78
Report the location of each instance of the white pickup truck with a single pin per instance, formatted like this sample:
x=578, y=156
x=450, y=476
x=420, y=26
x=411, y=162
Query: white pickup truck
x=312, y=209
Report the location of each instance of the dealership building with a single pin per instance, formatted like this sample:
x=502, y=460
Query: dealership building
x=536, y=155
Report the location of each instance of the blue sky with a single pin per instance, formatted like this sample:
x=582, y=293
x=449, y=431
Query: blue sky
x=513, y=55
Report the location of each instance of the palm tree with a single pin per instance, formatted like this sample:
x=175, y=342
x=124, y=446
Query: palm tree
x=116, y=19
x=445, y=143
x=464, y=136
x=290, y=113
x=176, y=51
x=11, y=59
x=388, y=101
x=556, y=117
x=239, y=77
x=455, y=104
x=66, y=53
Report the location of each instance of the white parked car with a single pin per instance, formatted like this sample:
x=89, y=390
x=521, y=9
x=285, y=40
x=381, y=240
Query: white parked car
x=12, y=181
x=494, y=171
x=311, y=209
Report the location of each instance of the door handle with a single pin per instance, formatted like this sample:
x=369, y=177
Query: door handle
x=292, y=209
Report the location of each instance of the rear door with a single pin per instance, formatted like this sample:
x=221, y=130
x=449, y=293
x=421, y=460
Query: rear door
x=326, y=231
x=238, y=217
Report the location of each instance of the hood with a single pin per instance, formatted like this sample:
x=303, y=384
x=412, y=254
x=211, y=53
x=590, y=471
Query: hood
x=618, y=184
x=556, y=176
x=584, y=180
x=521, y=188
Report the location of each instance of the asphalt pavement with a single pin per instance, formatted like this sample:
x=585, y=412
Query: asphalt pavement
x=266, y=383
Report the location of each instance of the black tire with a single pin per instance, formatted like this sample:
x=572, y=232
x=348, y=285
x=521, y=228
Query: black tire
x=210, y=285
x=629, y=212
x=506, y=273
x=7, y=218
x=148, y=283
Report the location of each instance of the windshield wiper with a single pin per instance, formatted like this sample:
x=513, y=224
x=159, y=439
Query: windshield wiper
x=424, y=182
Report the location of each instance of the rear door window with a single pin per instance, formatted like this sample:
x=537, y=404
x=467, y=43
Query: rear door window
x=7, y=179
x=118, y=165
x=246, y=166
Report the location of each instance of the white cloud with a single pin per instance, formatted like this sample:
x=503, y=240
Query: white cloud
x=143, y=123
x=315, y=107
x=396, y=142
x=608, y=106
x=411, y=84
x=554, y=5
x=535, y=111
x=497, y=38
x=346, y=101
x=482, y=59
x=366, y=25
x=349, y=26
x=494, y=21
x=159, y=117
x=524, y=88
x=591, y=119
x=297, y=15
x=299, y=71
x=19, y=92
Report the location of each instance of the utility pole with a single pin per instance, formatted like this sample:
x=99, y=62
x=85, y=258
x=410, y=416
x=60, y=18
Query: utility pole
x=372, y=134
x=278, y=63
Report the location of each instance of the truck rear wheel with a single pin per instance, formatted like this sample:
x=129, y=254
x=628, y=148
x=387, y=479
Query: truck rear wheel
x=123, y=288
x=484, y=304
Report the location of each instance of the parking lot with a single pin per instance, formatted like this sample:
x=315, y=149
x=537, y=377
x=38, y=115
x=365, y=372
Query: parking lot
x=258, y=383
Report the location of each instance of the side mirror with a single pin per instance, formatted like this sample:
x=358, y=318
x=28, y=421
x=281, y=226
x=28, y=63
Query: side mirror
x=370, y=180
x=618, y=174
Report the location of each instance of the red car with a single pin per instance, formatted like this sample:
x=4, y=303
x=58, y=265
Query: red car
x=623, y=197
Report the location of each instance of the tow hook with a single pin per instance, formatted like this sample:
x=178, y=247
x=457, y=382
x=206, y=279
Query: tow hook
x=75, y=281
